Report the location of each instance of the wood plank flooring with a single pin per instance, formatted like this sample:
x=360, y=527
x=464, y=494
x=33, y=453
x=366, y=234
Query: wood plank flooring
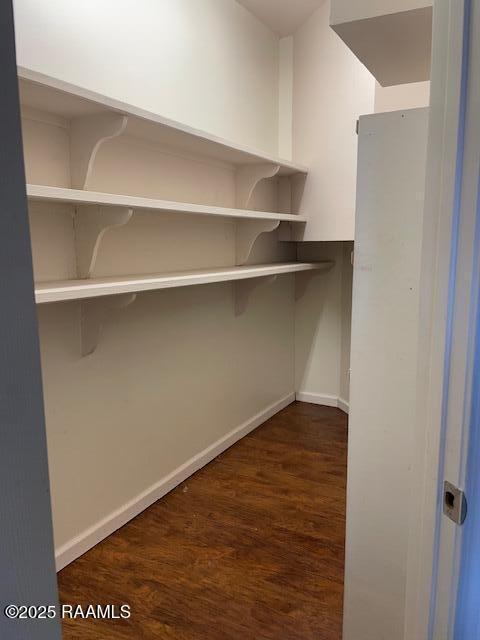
x=251, y=547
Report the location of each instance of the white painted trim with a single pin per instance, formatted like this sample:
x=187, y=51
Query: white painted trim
x=343, y=405
x=322, y=399
x=463, y=299
x=80, y=544
x=285, y=97
x=317, y=398
x=445, y=102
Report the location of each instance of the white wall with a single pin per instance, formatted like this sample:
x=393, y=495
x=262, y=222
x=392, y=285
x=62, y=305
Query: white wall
x=402, y=96
x=322, y=328
x=331, y=90
x=176, y=376
x=318, y=329
x=207, y=63
x=177, y=372
x=346, y=323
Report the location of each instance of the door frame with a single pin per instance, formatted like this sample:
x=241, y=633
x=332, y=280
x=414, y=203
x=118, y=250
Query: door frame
x=447, y=319
x=26, y=539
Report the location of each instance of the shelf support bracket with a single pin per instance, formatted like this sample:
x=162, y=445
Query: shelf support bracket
x=247, y=232
x=92, y=317
x=243, y=289
x=87, y=134
x=247, y=177
x=90, y=225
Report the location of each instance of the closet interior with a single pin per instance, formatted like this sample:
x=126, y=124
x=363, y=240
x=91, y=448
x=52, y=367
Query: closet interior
x=188, y=287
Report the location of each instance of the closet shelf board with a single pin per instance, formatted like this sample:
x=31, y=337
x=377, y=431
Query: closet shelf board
x=65, y=290
x=39, y=91
x=43, y=193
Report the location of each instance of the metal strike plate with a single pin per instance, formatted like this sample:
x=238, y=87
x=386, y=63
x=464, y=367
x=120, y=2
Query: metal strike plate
x=454, y=503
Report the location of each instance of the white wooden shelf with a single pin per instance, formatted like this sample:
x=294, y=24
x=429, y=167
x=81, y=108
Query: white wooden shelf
x=61, y=291
x=91, y=120
x=97, y=212
x=98, y=296
x=74, y=103
x=42, y=193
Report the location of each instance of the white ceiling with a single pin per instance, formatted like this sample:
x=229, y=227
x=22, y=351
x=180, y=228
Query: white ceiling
x=282, y=16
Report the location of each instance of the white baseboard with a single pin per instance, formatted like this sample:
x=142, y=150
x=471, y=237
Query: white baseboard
x=322, y=399
x=317, y=398
x=76, y=547
x=343, y=405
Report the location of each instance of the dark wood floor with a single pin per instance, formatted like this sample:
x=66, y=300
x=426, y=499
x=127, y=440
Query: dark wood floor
x=250, y=547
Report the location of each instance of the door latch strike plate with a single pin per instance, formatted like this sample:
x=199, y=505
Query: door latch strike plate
x=454, y=503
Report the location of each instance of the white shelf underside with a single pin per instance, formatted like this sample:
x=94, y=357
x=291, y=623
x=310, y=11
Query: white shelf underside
x=43, y=193
x=395, y=47
x=61, y=291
